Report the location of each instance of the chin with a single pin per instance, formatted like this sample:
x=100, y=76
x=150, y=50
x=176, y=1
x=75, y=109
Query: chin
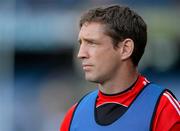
x=92, y=79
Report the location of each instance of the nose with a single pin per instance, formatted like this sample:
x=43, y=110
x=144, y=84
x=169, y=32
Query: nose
x=82, y=53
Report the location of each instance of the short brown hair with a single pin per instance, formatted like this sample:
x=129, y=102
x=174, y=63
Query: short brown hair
x=121, y=23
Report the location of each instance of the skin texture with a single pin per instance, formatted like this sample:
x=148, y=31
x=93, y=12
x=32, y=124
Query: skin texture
x=103, y=63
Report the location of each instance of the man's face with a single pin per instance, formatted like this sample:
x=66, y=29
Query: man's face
x=100, y=60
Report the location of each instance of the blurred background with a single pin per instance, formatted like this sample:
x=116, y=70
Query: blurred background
x=40, y=77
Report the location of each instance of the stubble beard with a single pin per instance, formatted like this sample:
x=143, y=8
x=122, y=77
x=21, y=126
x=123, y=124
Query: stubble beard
x=95, y=79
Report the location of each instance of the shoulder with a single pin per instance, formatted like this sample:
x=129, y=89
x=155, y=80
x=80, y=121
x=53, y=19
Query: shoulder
x=168, y=101
x=69, y=115
x=167, y=113
x=67, y=119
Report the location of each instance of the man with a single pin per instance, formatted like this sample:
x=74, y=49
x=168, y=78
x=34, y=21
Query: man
x=112, y=41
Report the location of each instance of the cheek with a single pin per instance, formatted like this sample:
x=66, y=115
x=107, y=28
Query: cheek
x=106, y=60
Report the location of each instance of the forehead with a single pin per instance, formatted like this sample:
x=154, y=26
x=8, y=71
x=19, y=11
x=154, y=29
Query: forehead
x=92, y=29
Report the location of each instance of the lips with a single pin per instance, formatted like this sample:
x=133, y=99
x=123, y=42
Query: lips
x=86, y=67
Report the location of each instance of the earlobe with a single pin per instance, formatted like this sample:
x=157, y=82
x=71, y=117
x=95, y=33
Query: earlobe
x=127, y=47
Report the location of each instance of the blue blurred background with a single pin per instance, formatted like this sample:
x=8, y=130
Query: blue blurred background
x=40, y=77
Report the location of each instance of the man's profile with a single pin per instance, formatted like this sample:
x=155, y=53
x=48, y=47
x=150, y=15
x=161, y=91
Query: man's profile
x=112, y=40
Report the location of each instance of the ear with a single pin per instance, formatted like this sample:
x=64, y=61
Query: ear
x=126, y=48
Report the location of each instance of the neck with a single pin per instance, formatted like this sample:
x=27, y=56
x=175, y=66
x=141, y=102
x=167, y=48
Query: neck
x=122, y=80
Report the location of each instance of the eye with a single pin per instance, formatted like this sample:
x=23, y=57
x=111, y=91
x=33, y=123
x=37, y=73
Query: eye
x=92, y=43
x=79, y=42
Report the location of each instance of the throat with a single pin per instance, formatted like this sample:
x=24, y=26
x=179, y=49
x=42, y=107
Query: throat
x=117, y=87
x=111, y=89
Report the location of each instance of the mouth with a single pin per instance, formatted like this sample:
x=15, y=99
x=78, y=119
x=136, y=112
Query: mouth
x=87, y=67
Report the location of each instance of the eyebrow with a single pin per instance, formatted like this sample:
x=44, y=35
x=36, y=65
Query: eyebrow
x=85, y=39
